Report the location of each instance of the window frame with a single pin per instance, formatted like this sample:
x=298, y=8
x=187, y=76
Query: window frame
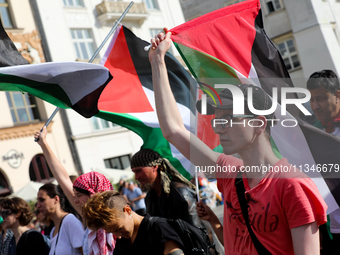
x=33, y=106
x=9, y=12
x=152, y=5
x=289, y=54
x=99, y=122
x=275, y=9
x=78, y=41
x=67, y=3
x=120, y=162
x=6, y=190
x=47, y=172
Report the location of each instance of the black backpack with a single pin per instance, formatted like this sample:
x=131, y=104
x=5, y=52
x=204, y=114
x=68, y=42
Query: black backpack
x=195, y=240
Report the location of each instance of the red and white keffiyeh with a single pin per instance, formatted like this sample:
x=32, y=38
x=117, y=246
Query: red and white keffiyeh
x=99, y=242
x=93, y=182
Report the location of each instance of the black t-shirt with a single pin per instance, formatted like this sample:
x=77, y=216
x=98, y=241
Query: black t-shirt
x=149, y=241
x=32, y=243
x=47, y=229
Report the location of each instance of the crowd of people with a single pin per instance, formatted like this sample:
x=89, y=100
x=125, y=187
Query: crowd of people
x=264, y=212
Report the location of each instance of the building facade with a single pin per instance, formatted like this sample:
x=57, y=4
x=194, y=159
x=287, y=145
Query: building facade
x=72, y=30
x=22, y=115
x=306, y=32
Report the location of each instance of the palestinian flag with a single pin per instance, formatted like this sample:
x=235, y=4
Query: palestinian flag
x=66, y=84
x=230, y=46
x=128, y=99
x=9, y=55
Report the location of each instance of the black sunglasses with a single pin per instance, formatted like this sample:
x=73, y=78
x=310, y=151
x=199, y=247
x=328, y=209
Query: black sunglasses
x=225, y=120
x=5, y=213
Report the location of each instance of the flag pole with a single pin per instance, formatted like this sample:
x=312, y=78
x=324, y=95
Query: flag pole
x=94, y=56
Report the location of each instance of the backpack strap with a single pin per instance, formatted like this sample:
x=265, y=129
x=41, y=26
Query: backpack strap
x=56, y=243
x=244, y=206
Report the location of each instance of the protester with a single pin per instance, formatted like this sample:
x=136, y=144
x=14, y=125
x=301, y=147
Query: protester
x=45, y=223
x=122, y=186
x=94, y=242
x=136, y=197
x=169, y=195
x=284, y=209
x=67, y=235
x=17, y=214
x=325, y=102
x=7, y=239
x=109, y=210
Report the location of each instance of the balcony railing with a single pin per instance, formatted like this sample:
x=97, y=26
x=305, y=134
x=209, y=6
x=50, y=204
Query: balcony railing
x=110, y=11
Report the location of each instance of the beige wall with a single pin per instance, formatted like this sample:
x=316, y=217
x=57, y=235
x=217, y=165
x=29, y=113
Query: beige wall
x=20, y=137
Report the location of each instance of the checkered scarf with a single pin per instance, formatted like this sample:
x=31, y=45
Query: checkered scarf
x=100, y=242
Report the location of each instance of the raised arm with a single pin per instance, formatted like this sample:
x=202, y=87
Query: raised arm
x=168, y=114
x=57, y=169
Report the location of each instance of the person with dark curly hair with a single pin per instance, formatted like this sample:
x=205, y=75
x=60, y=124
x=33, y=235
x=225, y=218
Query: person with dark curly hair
x=17, y=215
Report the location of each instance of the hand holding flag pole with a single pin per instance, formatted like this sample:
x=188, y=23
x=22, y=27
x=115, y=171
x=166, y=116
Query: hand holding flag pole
x=147, y=48
x=94, y=56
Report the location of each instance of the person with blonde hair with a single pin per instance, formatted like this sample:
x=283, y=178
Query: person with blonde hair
x=109, y=211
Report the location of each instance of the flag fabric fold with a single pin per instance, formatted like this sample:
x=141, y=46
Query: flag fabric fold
x=230, y=46
x=128, y=99
x=65, y=84
x=9, y=55
x=73, y=85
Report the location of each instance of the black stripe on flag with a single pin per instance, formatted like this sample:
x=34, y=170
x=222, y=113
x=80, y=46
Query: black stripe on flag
x=182, y=84
x=9, y=55
x=271, y=71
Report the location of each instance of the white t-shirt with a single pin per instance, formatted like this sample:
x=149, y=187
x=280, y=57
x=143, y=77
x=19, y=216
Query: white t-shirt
x=335, y=216
x=70, y=237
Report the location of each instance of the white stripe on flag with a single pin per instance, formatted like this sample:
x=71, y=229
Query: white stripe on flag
x=292, y=145
x=64, y=74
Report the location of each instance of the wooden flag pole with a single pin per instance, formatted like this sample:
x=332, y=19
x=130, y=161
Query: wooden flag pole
x=94, y=56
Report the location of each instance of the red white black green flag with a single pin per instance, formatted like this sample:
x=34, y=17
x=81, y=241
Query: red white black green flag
x=230, y=46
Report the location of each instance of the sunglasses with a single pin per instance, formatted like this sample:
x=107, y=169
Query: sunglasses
x=225, y=120
x=5, y=213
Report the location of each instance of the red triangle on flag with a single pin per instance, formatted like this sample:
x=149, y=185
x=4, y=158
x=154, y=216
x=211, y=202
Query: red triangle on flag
x=124, y=94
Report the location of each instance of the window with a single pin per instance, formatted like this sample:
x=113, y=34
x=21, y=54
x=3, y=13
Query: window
x=74, y=3
x=273, y=5
x=151, y=4
x=121, y=162
x=289, y=54
x=99, y=124
x=4, y=187
x=5, y=14
x=83, y=43
x=39, y=170
x=155, y=31
x=23, y=107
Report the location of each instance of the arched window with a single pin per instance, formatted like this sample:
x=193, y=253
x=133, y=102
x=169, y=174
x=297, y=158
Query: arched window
x=39, y=170
x=4, y=187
